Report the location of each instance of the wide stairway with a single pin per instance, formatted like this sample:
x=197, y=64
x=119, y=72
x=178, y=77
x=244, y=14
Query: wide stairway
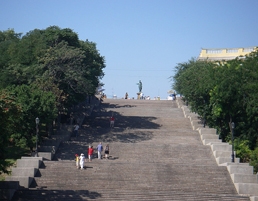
x=154, y=155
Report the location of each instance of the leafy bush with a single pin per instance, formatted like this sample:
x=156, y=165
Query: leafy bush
x=254, y=160
x=242, y=150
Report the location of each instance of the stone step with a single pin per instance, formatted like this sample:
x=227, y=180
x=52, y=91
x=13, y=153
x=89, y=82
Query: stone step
x=207, y=131
x=244, y=178
x=71, y=195
x=225, y=154
x=33, y=162
x=211, y=141
x=209, y=136
x=240, y=169
x=136, y=186
x=247, y=188
x=183, y=163
x=155, y=156
x=24, y=171
x=193, y=179
x=175, y=161
x=221, y=147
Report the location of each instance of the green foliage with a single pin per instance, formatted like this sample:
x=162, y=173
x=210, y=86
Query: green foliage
x=12, y=153
x=64, y=65
x=254, y=160
x=94, y=65
x=42, y=73
x=195, y=81
x=9, y=115
x=34, y=103
x=8, y=40
x=223, y=92
x=242, y=150
x=54, y=35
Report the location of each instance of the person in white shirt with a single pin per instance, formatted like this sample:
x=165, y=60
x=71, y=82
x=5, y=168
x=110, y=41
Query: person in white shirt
x=82, y=160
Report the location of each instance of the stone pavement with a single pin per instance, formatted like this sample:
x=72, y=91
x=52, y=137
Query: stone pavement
x=155, y=155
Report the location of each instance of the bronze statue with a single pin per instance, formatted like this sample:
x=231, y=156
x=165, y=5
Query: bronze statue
x=140, y=86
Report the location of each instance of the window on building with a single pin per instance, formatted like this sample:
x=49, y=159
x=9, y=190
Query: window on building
x=214, y=51
x=232, y=50
x=248, y=49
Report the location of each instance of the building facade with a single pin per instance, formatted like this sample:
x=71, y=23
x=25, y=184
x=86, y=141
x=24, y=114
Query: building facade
x=219, y=54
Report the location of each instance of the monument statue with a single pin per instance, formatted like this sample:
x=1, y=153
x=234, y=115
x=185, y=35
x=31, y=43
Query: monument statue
x=140, y=86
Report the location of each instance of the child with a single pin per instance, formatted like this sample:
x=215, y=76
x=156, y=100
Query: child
x=82, y=160
x=90, y=153
x=77, y=160
x=107, y=151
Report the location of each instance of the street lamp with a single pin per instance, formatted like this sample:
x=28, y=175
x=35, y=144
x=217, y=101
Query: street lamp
x=37, y=132
x=232, y=139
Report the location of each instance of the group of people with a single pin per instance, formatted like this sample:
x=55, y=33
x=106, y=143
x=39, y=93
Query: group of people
x=80, y=160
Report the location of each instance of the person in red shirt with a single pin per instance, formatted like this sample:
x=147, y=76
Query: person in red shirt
x=112, y=122
x=90, y=153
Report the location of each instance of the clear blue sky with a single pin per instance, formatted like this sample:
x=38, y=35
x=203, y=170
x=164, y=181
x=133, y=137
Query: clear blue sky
x=141, y=39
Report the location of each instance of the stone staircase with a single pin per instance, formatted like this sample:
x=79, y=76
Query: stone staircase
x=154, y=155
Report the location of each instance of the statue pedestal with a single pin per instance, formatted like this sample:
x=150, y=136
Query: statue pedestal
x=138, y=95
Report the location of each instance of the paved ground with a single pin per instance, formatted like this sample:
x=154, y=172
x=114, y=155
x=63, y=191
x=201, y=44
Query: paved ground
x=141, y=123
x=155, y=155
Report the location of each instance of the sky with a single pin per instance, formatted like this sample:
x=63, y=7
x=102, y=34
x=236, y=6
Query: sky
x=141, y=39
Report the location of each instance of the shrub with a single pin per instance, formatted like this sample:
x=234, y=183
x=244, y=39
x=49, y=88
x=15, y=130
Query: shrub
x=254, y=160
x=242, y=150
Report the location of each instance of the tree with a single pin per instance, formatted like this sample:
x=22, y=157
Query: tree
x=230, y=92
x=95, y=63
x=54, y=35
x=194, y=80
x=34, y=103
x=46, y=72
x=9, y=116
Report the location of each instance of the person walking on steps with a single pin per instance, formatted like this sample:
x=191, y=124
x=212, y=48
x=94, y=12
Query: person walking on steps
x=112, y=121
x=82, y=160
x=77, y=160
x=76, y=128
x=99, y=149
x=90, y=153
x=106, y=151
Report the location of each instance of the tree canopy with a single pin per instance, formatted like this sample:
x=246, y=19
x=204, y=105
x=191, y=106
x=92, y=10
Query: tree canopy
x=222, y=92
x=42, y=73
